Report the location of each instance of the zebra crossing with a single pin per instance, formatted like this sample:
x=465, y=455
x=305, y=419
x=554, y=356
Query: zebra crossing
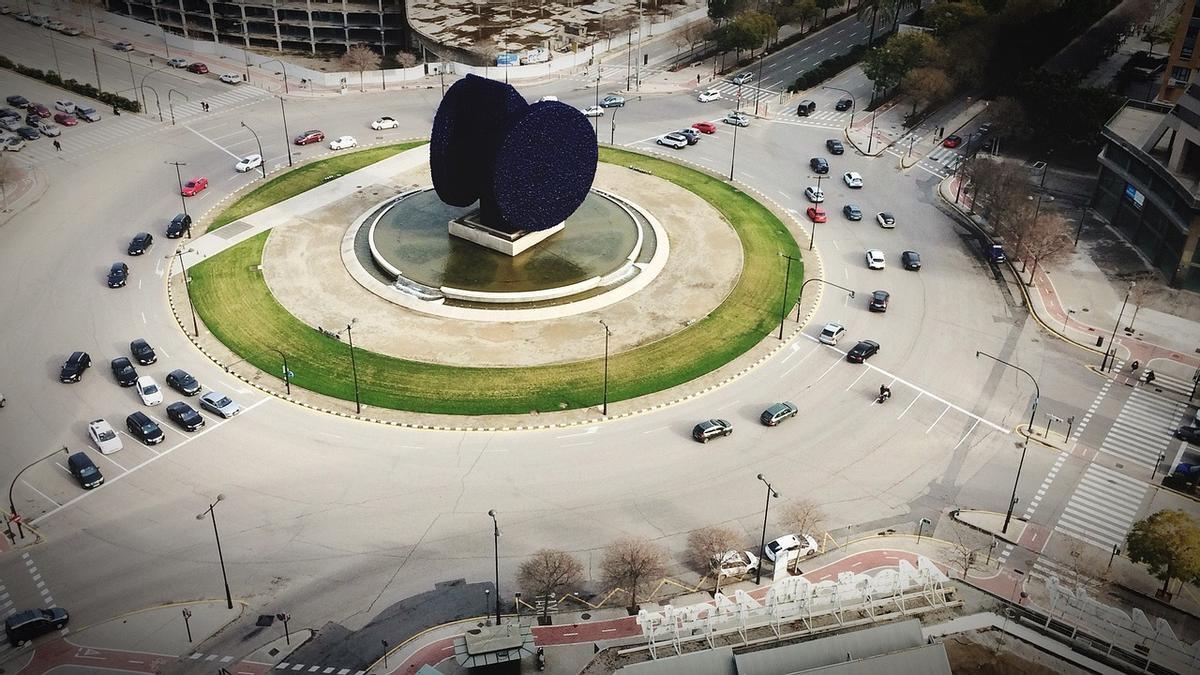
x=1181, y=386
x=941, y=160
x=1102, y=508
x=237, y=96
x=1141, y=432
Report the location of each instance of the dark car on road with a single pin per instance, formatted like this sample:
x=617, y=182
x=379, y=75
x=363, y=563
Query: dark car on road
x=879, y=301
x=182, y=382
x=692, y=136
x=310, y=136
x=198, y=68
x=123, y=370
x=911, y=260
x=185, y=416
x=179, y=226
x=141, y=242
x=84, y=471
x=819, y=165
x=710, y=429
x=834, y=146
x=1189, y=434
x=28, y=624
x=122, y=46
x=844, y=104
x=852, y=212
x=18, y=102
x=143, y=352
x=777, y=413
x=33, y=119
x=118, y=274
x=862, y=351
x=72, y=369
x=144, y=429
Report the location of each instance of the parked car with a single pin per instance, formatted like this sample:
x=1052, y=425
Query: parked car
x=14, y=144
x=123, y=371
x=230, y=78
x=862, y=351
x=41, y=110
x=72, y=369
x=844, y=104
x=673, y=141
x=705, y=127
x=911, y=260
x=195, y=186
x=141, y=242
x=951, y=141
x=692, y=136
x=814, y=194
x=28, y=624
x=816, y=214
x=852, y=212
x=177, y=63
x=708, y=96
x=879, y=301
x=819, y=165
x=12, y=123
x=29, y=133
x=123, y=46
x=885, y=219
x=48, y=129
x=710, y=429
x=32, y=120
x=198, y=68
x=54, y=25
x=183, y=382
x=384, y=122
x=1189, y=434
x=803, y=545
x=343, y=143
x=875, y=259
x=736, y=119
x=179, y=225
x=310, y=136
x=548, y=98
x=86, y=113
x=118, y=275
x=735, y=563
x=612, y=101
x=219, y=404
x=831, y=333
x=142, y=352
x=247, y=163
x=146, y=430
x=777, y=413
x=85, y=471
x=852, y=179
x=185, y=416
x=70, y=30
x=64, y=106
x=17, y=101
x=104, y=437
x=592, y=111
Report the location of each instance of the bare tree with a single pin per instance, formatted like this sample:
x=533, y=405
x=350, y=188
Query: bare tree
x=1085, y=566
x=926, y=86
x=632, y=563
x=548, y=573
x=707, y=545
x=801, y=516
x=1047, y=237
x=969, y=547
x=360, y=57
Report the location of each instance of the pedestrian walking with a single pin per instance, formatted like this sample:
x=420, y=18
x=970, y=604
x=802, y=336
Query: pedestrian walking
x=697, y=78
x=1150, y=376
x=57, y=146
x=1133, y=367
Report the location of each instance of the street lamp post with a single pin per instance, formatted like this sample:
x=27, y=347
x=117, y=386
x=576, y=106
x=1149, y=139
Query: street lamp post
x=1106, y=362
x=282, y=66
x=171, y=105
x=263, y=164
x=220, y=556
x=187, y=286
x=763, y=542
x=182, y=199
x=12, y=506
x=787, y=278
x=287, y=138
x=733, y=155
x=921, y=527
x=1028, y=434
x=800, y=298
x=853, y=103
x=353, y=366
x=612, y=134
x=496, y=540
x=760, y=67
x=287, y=374
x=607, y=335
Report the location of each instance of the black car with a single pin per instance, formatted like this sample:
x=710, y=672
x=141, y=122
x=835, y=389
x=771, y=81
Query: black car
x=25, y=626
x=834, y=146
x=182, y=382
x=852, y=212
x=118, y=274
x=692, y=136
x=143, y=352
x=844, y=104
x=29, y=133
x=179, y=226
x=9, y=112
x=709, y=429
x=862, y=351
x=32, y=119
x=123, y=370
x=73, y=369
x=141, y=242
x=911, y=260
x=18, y=102
x=1189, y=434
x=819, y=165
x=879, y=301
x=777, y=413
x=84, y=471
x=144, y=429
x=185, y=416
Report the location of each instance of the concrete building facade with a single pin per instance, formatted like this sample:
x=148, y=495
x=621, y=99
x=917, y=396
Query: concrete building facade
x=1183, y=59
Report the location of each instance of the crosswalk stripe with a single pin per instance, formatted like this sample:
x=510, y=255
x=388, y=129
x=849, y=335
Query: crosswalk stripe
x=1102, y=507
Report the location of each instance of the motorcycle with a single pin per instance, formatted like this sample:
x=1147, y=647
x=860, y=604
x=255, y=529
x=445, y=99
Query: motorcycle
x=541, y=658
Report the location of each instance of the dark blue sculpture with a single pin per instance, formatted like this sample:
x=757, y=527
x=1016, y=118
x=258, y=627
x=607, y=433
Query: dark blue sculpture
x=529, y=166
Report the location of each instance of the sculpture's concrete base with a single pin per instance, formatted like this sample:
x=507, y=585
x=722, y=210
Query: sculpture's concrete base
x=514, y=244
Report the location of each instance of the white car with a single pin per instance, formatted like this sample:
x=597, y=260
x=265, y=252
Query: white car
x=673, y=141
x=65, y=106
x=70, y=30
x=803, y=545
x=384, y=123
x=735, y=563
x=736, y=119
x=831, y=333
x=886, y=219
x=593, y=111
x=104, y=437
x=343, y=142
x=230, y=78
x=54, y=25
x=548, y=98
x=852, y=179
x=815, y=194
x=178, y=63
x=709, y=95
x=247, y=163
x=219, y=404
x=875, y=259
x=48, y=129
x=14, y=143
x=743, y=78
x=148, y=389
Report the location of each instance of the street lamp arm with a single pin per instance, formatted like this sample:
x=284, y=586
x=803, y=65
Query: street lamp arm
x=800, y=298
x=1037, y=391
x=11, y=505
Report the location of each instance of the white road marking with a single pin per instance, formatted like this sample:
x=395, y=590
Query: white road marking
x=964, y=438
x=939, y=419
x=44, y=496
x=650, y=431
x=835, y=365
x=574, y=445
x=860, y=376
x=214, y=143
x=143, y=317
x=914, y=401
x=113, y=461
x=590, y=430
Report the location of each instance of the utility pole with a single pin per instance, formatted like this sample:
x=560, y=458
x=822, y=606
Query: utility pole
x=182, y=199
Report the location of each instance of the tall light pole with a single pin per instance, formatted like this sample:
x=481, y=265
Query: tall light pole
x=287, y=139
x=853, y=102
x=733, y=155
x=220, y=556
x=287, y=374
x=496, y=539
x=1111, y=351
x=1028, y=434
x=182, y=199
x=787, y=278
x=187, y=286
x=763, y=543
x=607, y=334
x=12, y=506
x=800, y=298
x=761, y=54
x=353, y=363
x=262, y=165
x=283, y=67
x=171, y=105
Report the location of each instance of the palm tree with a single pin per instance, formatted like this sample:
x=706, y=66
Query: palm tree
x=892, y=9
x=869, y=7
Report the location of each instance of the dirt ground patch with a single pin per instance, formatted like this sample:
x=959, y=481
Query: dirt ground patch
x=993, y=653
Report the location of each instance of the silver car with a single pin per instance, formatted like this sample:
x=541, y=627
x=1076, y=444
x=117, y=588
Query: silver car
x=14, y=144
x=48, y=129
x=219, y=404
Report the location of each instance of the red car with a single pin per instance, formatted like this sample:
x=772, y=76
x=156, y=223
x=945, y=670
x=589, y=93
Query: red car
x=816, y=214
x=198, y=68
x=310, y=136
x=195, y=186
x=705, y=127
x=65, y=119
x=41, y=110
x=952, y=141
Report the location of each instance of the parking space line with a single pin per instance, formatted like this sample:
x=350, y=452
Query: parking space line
x=43, y=494
x=157, y=456
x=964, y=438
x=61, y=467
x=138, y=442
x=214, y=143
x=860, y=376
x=939, y=419
x=835, y=365
x=914, y=402
x=113, y=461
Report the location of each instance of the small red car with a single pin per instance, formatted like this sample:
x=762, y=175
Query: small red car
x=952, y=141
x=41, y=110
x=310, y=136
x=65, y=119
x=705, y=127
x=817, y=214
x=198, y=68
x=195, y=186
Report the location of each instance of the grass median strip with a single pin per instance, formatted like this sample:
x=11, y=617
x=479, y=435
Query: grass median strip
x=236, y=305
